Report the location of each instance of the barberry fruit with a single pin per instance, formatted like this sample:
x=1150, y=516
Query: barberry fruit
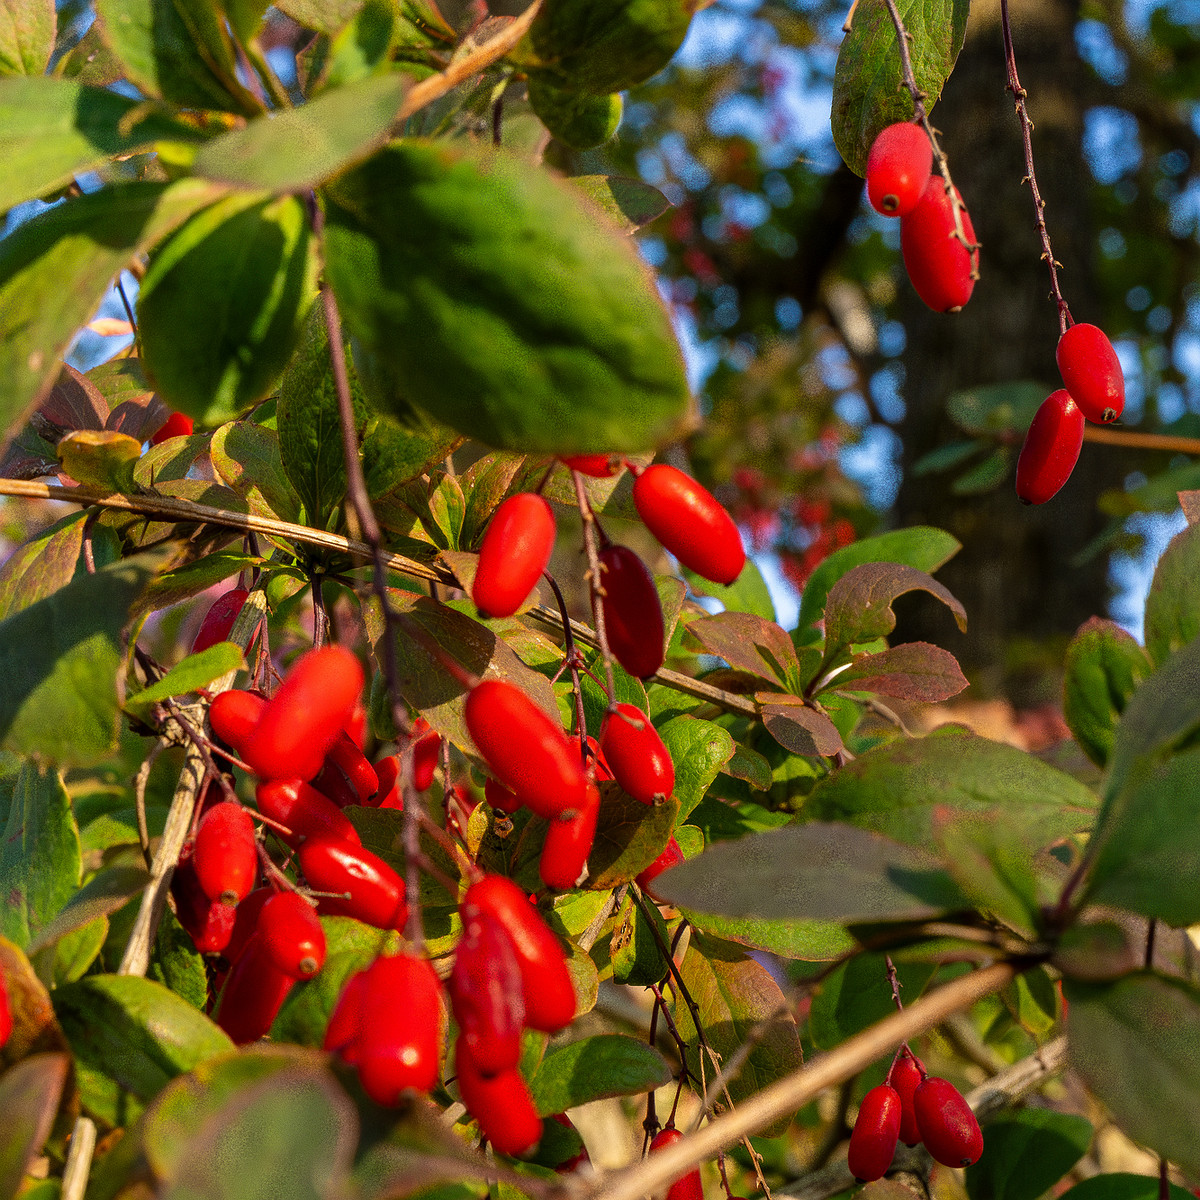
x=292, y=935
x=1051, y=449
x=688, y=1186
x=633, y=616
x=234, y=715
x=670, y=857
x=487, y=993
x=948, y=1126
x=254, y=992
x=375, y=891
x=304, y=811
x=905, y=1076
x=1092, y=373
x=599, y=466
x=635, y=753
x=516, y=550
x=219, y=619
x=941, y=268
x=176, y=425
x=898, y=167
x=500, y=1103
x=568, y=844
x=209, y=922
x=401, y=1027
x=226, y=853
x=875, y=1134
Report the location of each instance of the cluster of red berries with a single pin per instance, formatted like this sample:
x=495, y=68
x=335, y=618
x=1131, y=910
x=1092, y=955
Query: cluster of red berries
x=685, y=517
x=1095, y=391
x=535, y=765
x=912, y=1106
x=940, y=252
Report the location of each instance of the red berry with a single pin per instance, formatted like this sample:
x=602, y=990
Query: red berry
x=254, y=993
x=948, y=1126
x=876, y=1132
x=515, y=551
x=226, y=854
x=332, y=783
x=6, y=1021
x=219, y=619
x=568, y=844
x=639, y=761
x=376, y=892
x=354, y=765
x=525, y=749
x=345, y=1022
x=177, y=425
x=245, y=922
x=304, y=717
x=389, y=795
x=487, y=994
x=356, y=726
x=234, y=715
x=1051, y=449
x=633, y=616
x=688, y=1186
x=670, y=857
x=209, y=922
x=690, y=523
x=599, y=466
x=549, y=993
x=905, y=1076
x=402, y=1025
x=1092, y=373
x=501, y=1104
x=499, y=797
x=427, y=751
x=292, y=935
x=305, y=811
x=898, y=167
x=939, y=265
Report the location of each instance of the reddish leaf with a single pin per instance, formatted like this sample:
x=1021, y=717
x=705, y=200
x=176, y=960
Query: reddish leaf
x=798, y=728
x=74, y=402
x=749, y=643
x=913, y=671
x=859, y=607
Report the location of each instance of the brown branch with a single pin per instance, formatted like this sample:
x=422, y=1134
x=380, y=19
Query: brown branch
x=1141, y=441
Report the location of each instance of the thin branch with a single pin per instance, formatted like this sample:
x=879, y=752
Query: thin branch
x=595, y=579
x=1039, y=205
x=79, y=1159
x=1141, y=441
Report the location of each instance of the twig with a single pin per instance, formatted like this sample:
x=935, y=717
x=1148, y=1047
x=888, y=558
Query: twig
x=595, y=579
x=1141, y=441
x=1039, y=205
x=571, y=662
x=79, y=1159
x=785, y=1096
x=139, y=799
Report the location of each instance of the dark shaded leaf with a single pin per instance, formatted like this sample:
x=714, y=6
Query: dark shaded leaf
x=1134, y=1043
x=809, y=941
x=629, y=837
x=897, y=788
x=868, y=89
x=1104, y=666
x=734, y=994
x=629, y=202
x=749, y=643
x=29, y=1095
x=799, y=728
x=750, y=766
x=636, y=954
x=319, y=16
x=595, y=1068
x=1027, y=1153
x=246, y=457
x=542, y=332
x=813, y=872
x=107, y=891
x=748, y=593
x=1117, y=1185
x=912, y=671
x=1096, y=951
x=858, y=994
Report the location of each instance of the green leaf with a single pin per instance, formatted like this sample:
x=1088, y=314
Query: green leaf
x=54, y=129
x=813, y=872
x=748, y=593
x=991, y=858
x=40, y=855
x=108, y=890
x=629, y=202
x=73, y=954
x=1173, y=604
x=176, y=49
x=595, y=1068
x=921, y=547
x=859, y=606
x=629, y=837
x=636, y=954
x=60, y=659
x=320, y=15
x=750, y=643
x=607, y=46
x=581, y=120
x=193, y=673
x=858, y=994
x=1027, y=1153
x=100, y=458
x=55, y=268
x=541, y=332
x=734, y=994
x=27, y=29
x=29, y=1095
x=222, y=303
x=131, y=1036
x=295, y=1124
x=247, y=459
x=1096, y=951
x=945, y=457
x=176, y=964
x=1148, y=840
x=984, y=476
x=1117, y=1185
x=393, y=454
x=42, y=565
x=868, y=89
x=299, y=148
x=1104, y=666
x=1134, y=1043
x=699, y=749
x=998, y=408
x=897, y=788
x=809, y=941
x=912, y=671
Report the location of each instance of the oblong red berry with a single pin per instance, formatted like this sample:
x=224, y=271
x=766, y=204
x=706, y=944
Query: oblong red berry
x=487, y=993
x=209, y=922
x=671, y=856
x=525, y=749
x=515, y=551
x=427, y=750
x=226, y=854
x=292, y=935
x=499, y=797
x=1051, y=450
x=305, y=716
x=549, y=993
x=6, y=1020
x=402, y=1025
x=1092, y=372
x=254, y=992
x=940, y=267
x=234, y=715
x=875, y=1134
x=568, y=844
x=690, y=522
x=906, y=1075
x=176, y=425
x=898, y=167
x=332, y=783
x=355, y=765
x=948, y=1126
x=633, y=616
x=219, y=619
x=376, y=892
x=389, y=795
x=598, y=466
x=635, y=753
x=305, y=811
x=688, y=1186
x=501, y=1104
x=345, y=1022
x=245, y=923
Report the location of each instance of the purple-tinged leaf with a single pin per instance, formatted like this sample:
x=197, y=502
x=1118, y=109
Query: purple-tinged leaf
x=749, y=643
x=912, y=671
x=859, y=606
x=798, y=728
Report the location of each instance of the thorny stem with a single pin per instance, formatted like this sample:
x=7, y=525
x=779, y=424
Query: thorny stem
x=1039, y=205
x=893, y=982
x=922, y=115
x=595, y=582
